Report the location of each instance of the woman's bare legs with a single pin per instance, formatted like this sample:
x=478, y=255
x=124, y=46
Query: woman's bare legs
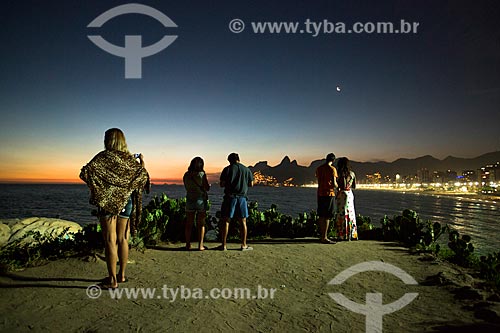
x=123, y=236
x=200, y=222
x=189, y=226
x=110, y=248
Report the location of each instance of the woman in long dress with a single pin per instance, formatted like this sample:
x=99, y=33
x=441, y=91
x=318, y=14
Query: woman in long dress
x=345, y=220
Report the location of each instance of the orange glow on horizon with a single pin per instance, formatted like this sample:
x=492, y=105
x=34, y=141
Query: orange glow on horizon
x=58, y=171
x=39, y=181
x=67, y=173
x=64, y=168
x=158, y=181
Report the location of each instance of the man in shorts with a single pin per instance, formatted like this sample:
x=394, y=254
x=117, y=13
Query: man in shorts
x=327, y=183
x=235, y=178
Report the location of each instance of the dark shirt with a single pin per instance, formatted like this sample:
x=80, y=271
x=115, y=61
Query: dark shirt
x=235, y=178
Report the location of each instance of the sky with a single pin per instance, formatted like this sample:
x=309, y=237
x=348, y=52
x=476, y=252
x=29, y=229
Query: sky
x=212, y=92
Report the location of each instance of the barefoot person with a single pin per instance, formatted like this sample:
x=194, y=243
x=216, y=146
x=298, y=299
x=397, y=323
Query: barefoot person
x=345, y=221
x=196, y=184
x=327, y=183
x=235, y=178
x=115, y=180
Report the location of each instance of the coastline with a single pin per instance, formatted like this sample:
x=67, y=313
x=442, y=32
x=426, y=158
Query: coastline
x=464, y=195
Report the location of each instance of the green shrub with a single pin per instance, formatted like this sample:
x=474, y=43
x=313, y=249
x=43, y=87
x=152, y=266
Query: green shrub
x=366, y=230
x=163, y=219
x=40, y=248
x=462, y=247
x=409, y=229
x=489, y=268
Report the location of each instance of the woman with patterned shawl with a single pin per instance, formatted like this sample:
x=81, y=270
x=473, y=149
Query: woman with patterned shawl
x=345, y=220
x=116, y=181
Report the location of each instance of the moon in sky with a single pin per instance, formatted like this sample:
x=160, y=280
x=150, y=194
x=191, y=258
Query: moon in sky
x=338, y=88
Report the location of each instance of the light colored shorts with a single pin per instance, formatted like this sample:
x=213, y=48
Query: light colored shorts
x=234, y=206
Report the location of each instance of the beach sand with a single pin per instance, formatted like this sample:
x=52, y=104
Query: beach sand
x=53, y=297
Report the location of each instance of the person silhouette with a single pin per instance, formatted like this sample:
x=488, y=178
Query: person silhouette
x=235, y=179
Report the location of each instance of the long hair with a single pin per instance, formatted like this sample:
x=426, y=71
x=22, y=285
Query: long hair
x=196, y=165
x=344, y=168
x=114, y=139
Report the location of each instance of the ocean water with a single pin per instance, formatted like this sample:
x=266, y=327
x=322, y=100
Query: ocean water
x=477, y=218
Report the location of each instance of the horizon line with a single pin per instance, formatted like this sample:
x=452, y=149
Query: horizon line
x=63, y=181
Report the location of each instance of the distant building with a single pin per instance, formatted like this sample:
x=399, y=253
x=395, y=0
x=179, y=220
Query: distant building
x=469, y=176
x=423, y=175
x=261, y=179
x=439, y=177
x=288, y=182
x=374, y=179
x=489, y=174
x=451, y=176
x=410, y=179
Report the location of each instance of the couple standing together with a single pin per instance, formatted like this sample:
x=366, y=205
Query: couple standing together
x=235, y=178
x=335, y=186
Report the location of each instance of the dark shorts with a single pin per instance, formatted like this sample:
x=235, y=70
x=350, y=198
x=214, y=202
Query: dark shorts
x=234, y=206
x=326, y=207
x=125, y=213
x=196, y=205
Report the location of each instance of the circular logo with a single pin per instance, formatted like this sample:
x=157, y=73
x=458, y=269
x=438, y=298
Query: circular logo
x=94, y=291
x=236, y=26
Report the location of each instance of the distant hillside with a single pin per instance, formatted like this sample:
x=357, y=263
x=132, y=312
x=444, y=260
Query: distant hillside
x=305, y=174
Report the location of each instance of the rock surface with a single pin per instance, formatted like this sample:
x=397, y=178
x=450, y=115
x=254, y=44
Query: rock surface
x=4, y=234
x=46, y=226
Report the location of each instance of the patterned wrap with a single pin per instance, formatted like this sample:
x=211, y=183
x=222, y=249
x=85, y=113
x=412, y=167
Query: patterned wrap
x=112, y=177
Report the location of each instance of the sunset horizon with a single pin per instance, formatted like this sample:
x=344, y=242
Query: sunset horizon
x=176, y=177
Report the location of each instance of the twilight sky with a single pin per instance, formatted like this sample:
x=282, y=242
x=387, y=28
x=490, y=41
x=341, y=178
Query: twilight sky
x=212, y=91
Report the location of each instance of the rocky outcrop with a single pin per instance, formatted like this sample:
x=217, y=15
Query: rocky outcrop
x=4, y=234
x=50, y=227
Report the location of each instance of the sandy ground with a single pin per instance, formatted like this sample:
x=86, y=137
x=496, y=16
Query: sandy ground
x=53, y=297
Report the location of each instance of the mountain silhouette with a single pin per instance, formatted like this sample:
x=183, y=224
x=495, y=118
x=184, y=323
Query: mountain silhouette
x=301, y=175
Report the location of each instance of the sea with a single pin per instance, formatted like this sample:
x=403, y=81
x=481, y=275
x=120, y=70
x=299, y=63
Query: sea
x=476, y=217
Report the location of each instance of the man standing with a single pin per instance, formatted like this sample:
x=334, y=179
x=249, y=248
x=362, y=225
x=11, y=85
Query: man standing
x=235, y=178
x=327, y=183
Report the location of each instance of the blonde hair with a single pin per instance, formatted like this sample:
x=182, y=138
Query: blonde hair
x=114, y=139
